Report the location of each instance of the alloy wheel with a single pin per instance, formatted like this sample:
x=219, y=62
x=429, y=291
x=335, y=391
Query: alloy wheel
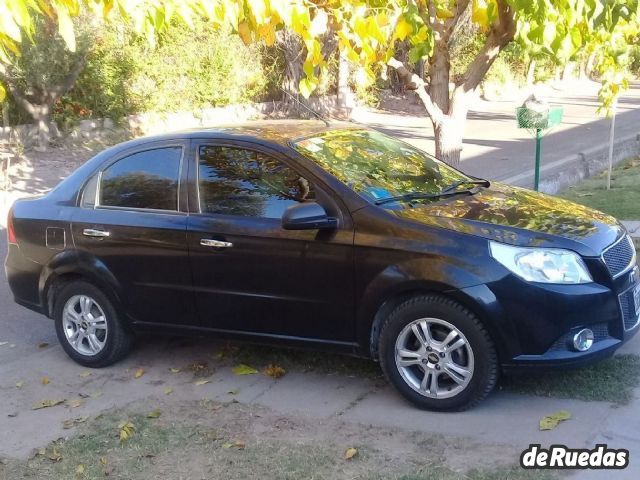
x=434, y=358
x=85, y=325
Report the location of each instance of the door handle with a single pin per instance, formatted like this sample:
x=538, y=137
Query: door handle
x=208, y=242
x=92, y=232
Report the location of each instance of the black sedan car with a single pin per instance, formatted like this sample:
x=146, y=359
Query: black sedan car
x=334, y=237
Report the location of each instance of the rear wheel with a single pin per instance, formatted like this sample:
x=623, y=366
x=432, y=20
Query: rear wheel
x=437, y=354
x=88, y=327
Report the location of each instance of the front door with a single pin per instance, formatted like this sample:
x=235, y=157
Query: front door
x=249, y=274
x=130, y=227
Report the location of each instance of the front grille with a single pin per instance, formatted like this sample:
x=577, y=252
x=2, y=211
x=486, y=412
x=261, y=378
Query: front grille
x=628, y=310
x=619, y=256
x=600, y=332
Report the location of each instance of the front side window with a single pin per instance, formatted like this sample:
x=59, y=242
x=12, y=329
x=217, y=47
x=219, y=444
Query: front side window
x=146, y=179
x=237, y=181
x=377, y=166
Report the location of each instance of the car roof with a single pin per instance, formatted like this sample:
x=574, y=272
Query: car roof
x=276, y=131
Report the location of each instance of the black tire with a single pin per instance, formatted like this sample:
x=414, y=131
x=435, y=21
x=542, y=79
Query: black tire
x=485, y=371
x=118, y=340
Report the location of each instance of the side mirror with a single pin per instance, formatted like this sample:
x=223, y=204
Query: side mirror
x=307, y=216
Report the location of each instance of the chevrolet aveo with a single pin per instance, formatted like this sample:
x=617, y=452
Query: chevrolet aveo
x=338, y=238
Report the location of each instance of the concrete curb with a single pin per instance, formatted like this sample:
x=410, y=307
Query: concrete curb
x=572, y=169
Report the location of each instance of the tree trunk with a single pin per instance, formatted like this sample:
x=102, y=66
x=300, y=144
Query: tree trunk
x=343, y=91
x=590, y=64
x=531, y=72
x=294, y=59
x=448, y=136
x=42, y=118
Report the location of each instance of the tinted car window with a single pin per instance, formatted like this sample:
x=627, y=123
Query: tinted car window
x=236, y=181
x=146, y=179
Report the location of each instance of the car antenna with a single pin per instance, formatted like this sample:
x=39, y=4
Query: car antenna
x=306, y=107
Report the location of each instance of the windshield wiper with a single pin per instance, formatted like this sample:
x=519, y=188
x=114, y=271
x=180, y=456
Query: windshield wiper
x=421, y=196
x=454, y=185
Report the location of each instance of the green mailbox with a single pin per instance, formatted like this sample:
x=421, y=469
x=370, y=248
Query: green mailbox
x=536, y=120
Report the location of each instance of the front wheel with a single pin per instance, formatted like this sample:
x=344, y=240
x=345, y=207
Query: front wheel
x=437, y=354
x=88, y=327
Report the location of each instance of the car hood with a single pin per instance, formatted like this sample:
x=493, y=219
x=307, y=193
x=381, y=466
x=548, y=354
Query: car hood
x=520, y=217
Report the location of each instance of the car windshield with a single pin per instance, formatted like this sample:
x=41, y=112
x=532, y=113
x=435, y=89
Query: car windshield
x=377, y=166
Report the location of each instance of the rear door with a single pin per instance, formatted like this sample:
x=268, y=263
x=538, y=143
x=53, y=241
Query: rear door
x=132, y=226
x=256, y=277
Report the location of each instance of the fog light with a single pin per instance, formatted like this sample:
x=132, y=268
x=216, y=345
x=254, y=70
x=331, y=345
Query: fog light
x=583, y=340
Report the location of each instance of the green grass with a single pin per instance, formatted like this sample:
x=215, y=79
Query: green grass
x=622, y=201
x=612, y=380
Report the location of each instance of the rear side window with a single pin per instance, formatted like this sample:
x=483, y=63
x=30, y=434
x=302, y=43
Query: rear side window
x=237, y=181
x=146, y=179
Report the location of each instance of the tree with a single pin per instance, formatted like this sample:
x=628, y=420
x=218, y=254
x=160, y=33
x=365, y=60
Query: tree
x=44, y=71
x=368, y=29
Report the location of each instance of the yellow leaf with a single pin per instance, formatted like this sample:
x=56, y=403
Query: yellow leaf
x=202, y=382
x=85, y=374
x=45, y=380
x=65, y=27
x=350, y=453
x=54, y=456
x=126, y=430
x=72, y=422
x=19, y=384
x=274, y=371
x=46, y=404
x=43, y=345
x=154, y=413
x=103, y=460
x=243, y=369
x=174, y=370
x=239, y=444
x=403, y=28
x=139, y=373
x=245, y=32
x=168, y=390
x=76, y=402
x=550, y=422
x=80, y=469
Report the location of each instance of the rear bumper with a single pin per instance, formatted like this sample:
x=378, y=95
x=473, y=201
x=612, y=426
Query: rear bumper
x=23, y=277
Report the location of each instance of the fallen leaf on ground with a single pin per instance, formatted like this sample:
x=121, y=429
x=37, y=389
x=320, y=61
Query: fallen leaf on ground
x=45, y=380
x=274, y=371
x=168, y=390
x=54, y=455
x=243, y=369
x=198, y=366
x=139, y=373
x=3, y=343
x=80, y=469
x=174, y=370
x=75, y=402
x=46, y=404
x=12, y=414
x=103, y=460
x=85, y=374
x=126, y=430
x=154, y=413
x=202, y=382
x=551, y=421
x=19, y=384
x=233, y=392
x=43, y=345
x=350, y=453
x=72, y=422
x=239, y=444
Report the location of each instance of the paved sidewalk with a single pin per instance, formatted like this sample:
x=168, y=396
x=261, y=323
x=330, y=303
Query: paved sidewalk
x=633, y=227
x=495, y=148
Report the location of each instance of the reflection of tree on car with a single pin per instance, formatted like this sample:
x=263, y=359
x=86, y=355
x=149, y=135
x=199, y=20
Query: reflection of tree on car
x=144, y=191
x=237, y=181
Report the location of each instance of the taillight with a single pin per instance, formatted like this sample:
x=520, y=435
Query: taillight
x=11, y=233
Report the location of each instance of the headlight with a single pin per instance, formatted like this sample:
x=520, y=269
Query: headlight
x=546, y=265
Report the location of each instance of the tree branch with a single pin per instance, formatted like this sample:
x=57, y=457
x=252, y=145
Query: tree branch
x=69, y=81
x=501, y=33
x=15, y=92
x=411, y=81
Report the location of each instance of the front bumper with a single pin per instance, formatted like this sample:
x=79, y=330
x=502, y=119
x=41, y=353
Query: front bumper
x=541, y=320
